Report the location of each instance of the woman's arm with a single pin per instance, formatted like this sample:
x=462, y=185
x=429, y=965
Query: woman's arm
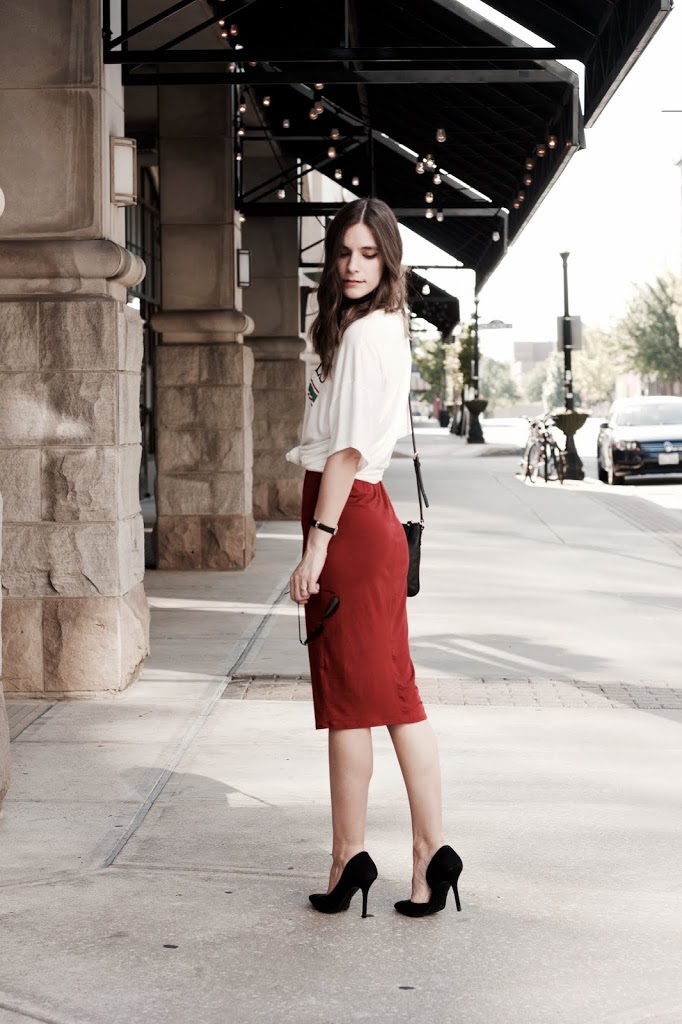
x=335, y=486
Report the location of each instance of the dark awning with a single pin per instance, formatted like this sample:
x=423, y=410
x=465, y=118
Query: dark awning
x=394, y=73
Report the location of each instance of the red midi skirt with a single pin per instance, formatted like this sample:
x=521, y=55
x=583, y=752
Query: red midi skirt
x=360, y=666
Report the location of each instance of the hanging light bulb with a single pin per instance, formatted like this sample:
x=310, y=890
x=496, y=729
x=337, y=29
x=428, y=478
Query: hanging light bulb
x=242, y=218
x=429, y=197
x=281, y=194
x=356, y=181
x=439, y=216
x=495, y=236
x=429, y=161
x=223, y=34
x=338, y=174
x=238, y=156
x=440, y=135
x=530, y=163
x=252, y=63
x=286, y=123
x=334, y=134
x=319, y=105
x=541, y=149
x=238, y=46
x=521, y=196
x=234, y=30
x=313, y=115
x=528, y=180
x=242, y=104
x=516, y=204
x=241, y=132
x=221, y=22
x=232, y=68
x=419, y=167
x=551, y=142
x=331, y=152
x=437, y=179
x=266, y=101
x=429, y=213
x=319, y=85
x=426, y=290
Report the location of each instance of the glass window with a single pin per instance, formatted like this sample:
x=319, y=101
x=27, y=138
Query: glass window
x=650, y=414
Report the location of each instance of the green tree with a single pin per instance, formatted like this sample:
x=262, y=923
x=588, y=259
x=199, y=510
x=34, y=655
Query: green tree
x=534, y=382
x=497, y=384
x=596, y=366
x=429, y=358
x=649, y=330
x=553, y=386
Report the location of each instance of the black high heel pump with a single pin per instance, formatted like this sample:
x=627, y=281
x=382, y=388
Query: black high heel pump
x=443, y=871
x=359, y=873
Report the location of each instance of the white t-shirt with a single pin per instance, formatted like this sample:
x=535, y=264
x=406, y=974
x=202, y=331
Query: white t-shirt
x=362, y=403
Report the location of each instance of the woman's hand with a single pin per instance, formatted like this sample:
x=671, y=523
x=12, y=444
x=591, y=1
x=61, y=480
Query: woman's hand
x=304, y=579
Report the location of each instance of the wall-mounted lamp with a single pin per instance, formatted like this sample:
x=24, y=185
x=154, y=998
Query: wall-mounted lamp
x=243, y=268
x=123, y=171
x=2, y=202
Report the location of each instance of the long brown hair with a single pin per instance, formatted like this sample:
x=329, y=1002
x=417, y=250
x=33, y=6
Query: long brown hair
x=333, y=317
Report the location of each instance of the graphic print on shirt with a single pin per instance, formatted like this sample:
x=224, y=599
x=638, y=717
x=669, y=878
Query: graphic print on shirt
x=313, y=388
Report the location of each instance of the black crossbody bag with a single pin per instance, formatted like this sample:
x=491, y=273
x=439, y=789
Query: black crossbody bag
x=413, y=531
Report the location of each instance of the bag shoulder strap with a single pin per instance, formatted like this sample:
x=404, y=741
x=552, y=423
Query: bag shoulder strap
x=417, y=464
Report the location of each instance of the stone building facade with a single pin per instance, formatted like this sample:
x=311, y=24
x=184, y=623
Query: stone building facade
x=229, y=377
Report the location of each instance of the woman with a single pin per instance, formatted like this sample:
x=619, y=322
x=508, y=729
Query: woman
x=352, y=578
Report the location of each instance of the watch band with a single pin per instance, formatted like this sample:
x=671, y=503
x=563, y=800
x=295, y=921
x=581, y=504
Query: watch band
x=321, y=526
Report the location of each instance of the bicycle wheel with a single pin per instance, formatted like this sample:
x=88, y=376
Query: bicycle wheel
x=553, y=464
x=533, y=462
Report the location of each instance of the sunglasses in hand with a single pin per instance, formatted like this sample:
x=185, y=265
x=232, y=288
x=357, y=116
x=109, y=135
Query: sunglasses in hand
x=331, y=607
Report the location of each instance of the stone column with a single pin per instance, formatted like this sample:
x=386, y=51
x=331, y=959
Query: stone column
x=4, y=726
x=75, y=618
x=279, y=375
x=204, y=372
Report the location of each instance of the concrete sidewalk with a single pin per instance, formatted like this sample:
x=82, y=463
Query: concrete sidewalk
x=157, y=849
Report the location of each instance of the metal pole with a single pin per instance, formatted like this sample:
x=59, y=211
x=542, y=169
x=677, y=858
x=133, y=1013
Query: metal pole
x=567, y=341
x=476, y=405
x=474, y=374
x=569, y=421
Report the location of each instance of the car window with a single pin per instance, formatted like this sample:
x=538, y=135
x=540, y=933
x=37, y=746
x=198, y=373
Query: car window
x=650, y=415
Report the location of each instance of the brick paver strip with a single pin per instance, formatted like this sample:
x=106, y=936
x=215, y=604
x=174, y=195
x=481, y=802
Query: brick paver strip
x=492, y=692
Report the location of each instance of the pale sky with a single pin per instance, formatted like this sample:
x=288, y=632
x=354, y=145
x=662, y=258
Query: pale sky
x=616, y=208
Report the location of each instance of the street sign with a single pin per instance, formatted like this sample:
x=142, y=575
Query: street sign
x=576, y=333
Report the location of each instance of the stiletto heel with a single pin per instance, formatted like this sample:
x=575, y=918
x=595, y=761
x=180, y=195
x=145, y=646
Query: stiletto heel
x=443, y=871
x=359, y=873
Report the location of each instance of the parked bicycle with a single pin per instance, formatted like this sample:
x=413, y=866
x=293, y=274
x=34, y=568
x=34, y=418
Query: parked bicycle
x=542, y=453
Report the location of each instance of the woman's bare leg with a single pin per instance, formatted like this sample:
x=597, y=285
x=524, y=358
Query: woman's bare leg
x=350, y=771
x=417, y=750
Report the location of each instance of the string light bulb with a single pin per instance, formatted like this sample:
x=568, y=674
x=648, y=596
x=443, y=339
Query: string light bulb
x=439, y=216
x=313, y=115
x=528, y=180
x=238, y=156
x=242, y=218
x=286, y=123
x=516, y=204
x=266, y=101
x=331, y=152
x=232, y=68
x=241, y=132
x=429, y=161
x=221, y=22
x=495, y=236
x=426, y=289
x=338, y=174
x=530, y=163
x=334, y=134
x=440, y=135
x=234, y=30
x=223, y=34
x=242, y=104
x=541, y=149
x=419, y=167
x=319, y=105
x=356, y=181
x=281, y=193
x=551, y=142
x=429, y=213
x=437, y=180
x=429, y=197
x=319, y=85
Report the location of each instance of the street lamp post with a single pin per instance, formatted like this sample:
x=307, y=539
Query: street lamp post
x=475, y=405
x=569, y=421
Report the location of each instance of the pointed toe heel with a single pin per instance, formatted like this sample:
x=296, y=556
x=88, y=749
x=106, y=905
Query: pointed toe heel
x=443, y=871
x=360, y=873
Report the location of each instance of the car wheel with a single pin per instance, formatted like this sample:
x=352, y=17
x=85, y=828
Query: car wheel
x=601, y=472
